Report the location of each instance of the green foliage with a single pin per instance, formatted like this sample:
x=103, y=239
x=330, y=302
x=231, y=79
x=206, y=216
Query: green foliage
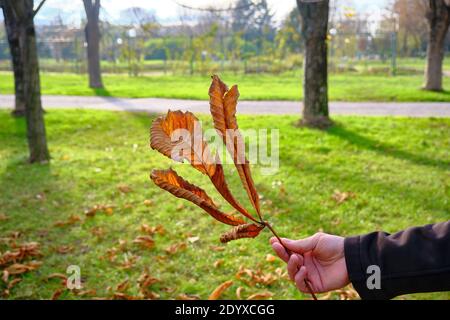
x=397, y=168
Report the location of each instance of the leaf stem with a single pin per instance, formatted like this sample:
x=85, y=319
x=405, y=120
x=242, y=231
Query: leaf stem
x=308, y=285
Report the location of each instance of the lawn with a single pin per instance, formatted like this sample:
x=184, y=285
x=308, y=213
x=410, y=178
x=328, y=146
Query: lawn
x=342, y=87
x=396, y=169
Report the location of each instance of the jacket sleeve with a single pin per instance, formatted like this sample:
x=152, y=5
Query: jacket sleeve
x=414, y=260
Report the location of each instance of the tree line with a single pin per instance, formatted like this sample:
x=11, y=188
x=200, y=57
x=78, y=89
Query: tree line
x=251, y=20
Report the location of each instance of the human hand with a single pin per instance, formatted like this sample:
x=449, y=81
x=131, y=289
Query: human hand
x=320, y=259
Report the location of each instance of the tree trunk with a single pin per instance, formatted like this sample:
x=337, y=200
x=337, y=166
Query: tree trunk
x=22, y=12
x=438, y=17
x=92, y=32
x=315, y=82
x=16, y=59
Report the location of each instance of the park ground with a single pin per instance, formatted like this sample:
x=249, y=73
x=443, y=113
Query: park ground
x=286, y=86
x=92, y=202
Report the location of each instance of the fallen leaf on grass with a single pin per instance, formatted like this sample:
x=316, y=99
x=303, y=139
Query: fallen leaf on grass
x=13, y=282
x=184, y=296
x=3, y=217
x=238, y=293
x=57, y=294
x=124, y=188
x=341, y=197
x=270, y=258
x=260, y=296
x=123, y=286
x=219, y=290
x=217, y=248
x=56, y=276
x=152, y=230
x=193, y=239
x=145, y=241
x=148, y=203
x=175, y=247
x=71, y=220
x=98, y=232
x=19, y=268
x=64, y=249
x=218, y=263
x=91, y=212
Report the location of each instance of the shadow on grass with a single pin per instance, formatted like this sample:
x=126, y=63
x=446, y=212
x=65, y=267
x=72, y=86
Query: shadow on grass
x=102, y=92
x=383, y=148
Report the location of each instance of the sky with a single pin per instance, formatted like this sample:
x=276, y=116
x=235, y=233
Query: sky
x=167, y=11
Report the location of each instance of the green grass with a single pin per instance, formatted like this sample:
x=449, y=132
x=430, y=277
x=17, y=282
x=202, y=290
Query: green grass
x=397, y=168
x=342, y=87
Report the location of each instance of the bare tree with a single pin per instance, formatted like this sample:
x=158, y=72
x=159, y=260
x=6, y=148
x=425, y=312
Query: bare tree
x=21, y=14
x=438, y=17
x=92, y=31
x=314, y=14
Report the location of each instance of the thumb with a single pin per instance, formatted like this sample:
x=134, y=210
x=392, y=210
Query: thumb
x=302, y=245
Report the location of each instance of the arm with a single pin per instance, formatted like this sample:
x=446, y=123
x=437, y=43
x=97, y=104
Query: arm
x=414, y=260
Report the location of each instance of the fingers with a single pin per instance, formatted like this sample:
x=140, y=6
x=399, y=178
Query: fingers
x=280, y=251
x=302, y=245
x=294, y=264
x=300, y=280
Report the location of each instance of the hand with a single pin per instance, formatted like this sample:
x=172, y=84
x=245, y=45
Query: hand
x=320, y=259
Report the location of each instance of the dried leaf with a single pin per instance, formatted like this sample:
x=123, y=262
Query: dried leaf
x=124, y=188
x=57, y=294
x=238, y=293
x=270, y=258
x=13, y=282
x=169, y=180
x=56, y=276
x=184, y=296
x=145, y=241
x=195, y=150
x=260, y=296
x=3, y=217
x=218, y=263
x=148, y=203
x=175, y=247
x=341, y=197
x=219, y=290
x=123, y=286
x=64, y=249
x=223, y=104
x=193, y=239
x=249, y=230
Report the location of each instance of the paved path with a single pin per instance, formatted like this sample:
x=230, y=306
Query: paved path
x=410, y=109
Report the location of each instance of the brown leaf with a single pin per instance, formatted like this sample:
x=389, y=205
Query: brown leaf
x=145, y=241
x=123, y=286
x=249, y=230
x=3, y=217
x=238, y=293
x=223, y=104
x=219, y=290
x=260, y=296
x=64, y=249
x=175, y=247
x=270, y=258
x=169, y=180
x=57, y=294
x=217, y=248
x=148, y=203
x=195, y=150
x=19, y=268
x=152, y=230
x=218, y=263
x=341, y=197
x=13, y=282
x=184, y=296
x=124, y=188
x=57, y=276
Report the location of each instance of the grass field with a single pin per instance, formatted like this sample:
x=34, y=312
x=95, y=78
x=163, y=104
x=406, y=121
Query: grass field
x=397, y=169
x=342, y=87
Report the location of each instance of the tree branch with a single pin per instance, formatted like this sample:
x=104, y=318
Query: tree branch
x=38, y=8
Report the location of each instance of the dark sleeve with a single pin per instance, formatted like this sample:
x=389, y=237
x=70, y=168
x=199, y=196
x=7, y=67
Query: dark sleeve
x=414, y=260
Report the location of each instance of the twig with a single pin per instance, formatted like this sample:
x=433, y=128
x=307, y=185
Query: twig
x=308, y=285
